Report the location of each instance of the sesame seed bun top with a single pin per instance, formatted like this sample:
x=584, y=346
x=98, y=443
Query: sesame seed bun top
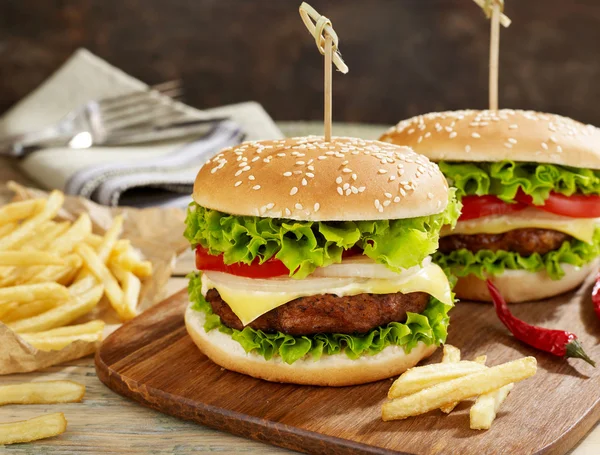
x=500, y=135
x=306, y=178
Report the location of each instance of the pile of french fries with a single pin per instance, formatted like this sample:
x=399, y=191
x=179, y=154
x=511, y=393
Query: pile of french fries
x=444, y=385
x=41, y=427
x=53, y=272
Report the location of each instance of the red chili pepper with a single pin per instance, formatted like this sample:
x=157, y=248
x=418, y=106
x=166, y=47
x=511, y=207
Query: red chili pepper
x=596, y=296
x=557, y=342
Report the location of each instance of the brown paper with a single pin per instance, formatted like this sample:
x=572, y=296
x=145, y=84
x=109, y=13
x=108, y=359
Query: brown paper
x=156, y=232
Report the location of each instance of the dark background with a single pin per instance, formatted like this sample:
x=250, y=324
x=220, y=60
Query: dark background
x=405, y=56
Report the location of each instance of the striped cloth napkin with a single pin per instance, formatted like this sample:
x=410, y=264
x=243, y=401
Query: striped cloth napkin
x=137, y=175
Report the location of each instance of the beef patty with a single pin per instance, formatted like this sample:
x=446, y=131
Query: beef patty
x=522, y=241
x=327, y=313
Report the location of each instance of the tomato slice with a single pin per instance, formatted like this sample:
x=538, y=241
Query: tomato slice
x=271, y=268
x=575, y=206
x=478, y=206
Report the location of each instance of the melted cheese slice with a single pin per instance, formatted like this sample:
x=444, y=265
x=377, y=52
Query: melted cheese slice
x=251, y=298
x=580, y=228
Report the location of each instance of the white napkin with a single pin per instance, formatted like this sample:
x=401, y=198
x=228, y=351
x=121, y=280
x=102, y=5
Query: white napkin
x=133, y=175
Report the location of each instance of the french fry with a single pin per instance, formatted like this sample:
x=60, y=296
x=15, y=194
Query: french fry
x=419, y=378
x=76, y=233
x=87, y=328
x=83, y=285
x=61, y=274
x=42, y=427
x=29, y=258
x=64, y=314
x=132, y=287
x=58, y=342
x=450, y=407
x=7, y=308
x=20, y=210
x=130, y=260
x=459, y=389
x=32, y=292
x=48, y=392
x=106, y=244
x=51, y=208
x=27, y=310
x=451, y=355
x=484, y=411
x=7, y=228
x=111, y=287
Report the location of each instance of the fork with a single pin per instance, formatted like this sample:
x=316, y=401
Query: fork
x=123, y=118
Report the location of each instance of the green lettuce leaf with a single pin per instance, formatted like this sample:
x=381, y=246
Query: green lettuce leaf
x=504, y=178
x=430, y=327
x=486, y=262
x=305, y=245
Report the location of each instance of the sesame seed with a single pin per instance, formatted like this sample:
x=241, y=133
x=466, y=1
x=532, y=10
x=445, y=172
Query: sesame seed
x=297, y=172
x=508, y=145
x=544, y=146
x=310, y=175
x=311, y=167
x=238, y=183
x=475, y=135
x=354, y=177
x=298, y=206
x=427, y=134
x=287, y=174
x=388, y=195
x=250, y=177
x=392, y=178
x=300, y=163
x=361, y=189
x=382, y=171
x=294, y=190
x=377, y=203
x=256, y=187
x=512, y=140
x=246, y=168
x=339, y=190
x=238, y=172
x=348, y=192
x=429, y=195
x=354, y=189
x=316, y=207
x=514, y=126
x=338, y=180
x=453, y=134
x=346, y=170
x=346, y=186
x=321, y=157
x=467, y=148
x=287, y=212
x=397, y=199
x=553, y=139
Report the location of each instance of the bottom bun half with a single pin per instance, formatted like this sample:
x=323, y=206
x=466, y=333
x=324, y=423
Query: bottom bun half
x=522, y=286
x=331, y=370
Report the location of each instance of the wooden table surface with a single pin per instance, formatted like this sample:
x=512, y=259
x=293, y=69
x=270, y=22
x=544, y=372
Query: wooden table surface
x=106, y=423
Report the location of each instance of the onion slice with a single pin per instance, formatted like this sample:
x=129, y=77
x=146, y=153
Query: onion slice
x=365, y=267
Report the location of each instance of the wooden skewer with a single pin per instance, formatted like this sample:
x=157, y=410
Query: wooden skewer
x=328, y=85
x=494, y=56
x=327, y=43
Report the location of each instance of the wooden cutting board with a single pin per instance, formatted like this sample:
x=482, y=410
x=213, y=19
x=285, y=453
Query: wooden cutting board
x=152, y=360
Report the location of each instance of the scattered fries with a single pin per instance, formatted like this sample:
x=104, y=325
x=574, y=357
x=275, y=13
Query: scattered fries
x=42, y=427
x=53, y=272
x=56, y=339
x=48, y=392
x=444, y=385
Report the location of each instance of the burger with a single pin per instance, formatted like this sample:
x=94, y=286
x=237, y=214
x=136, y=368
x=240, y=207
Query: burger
x=529, y=183
x=314, y=260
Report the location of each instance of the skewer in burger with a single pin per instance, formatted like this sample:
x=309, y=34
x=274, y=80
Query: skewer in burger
x=530, y=187
x=314, y=260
